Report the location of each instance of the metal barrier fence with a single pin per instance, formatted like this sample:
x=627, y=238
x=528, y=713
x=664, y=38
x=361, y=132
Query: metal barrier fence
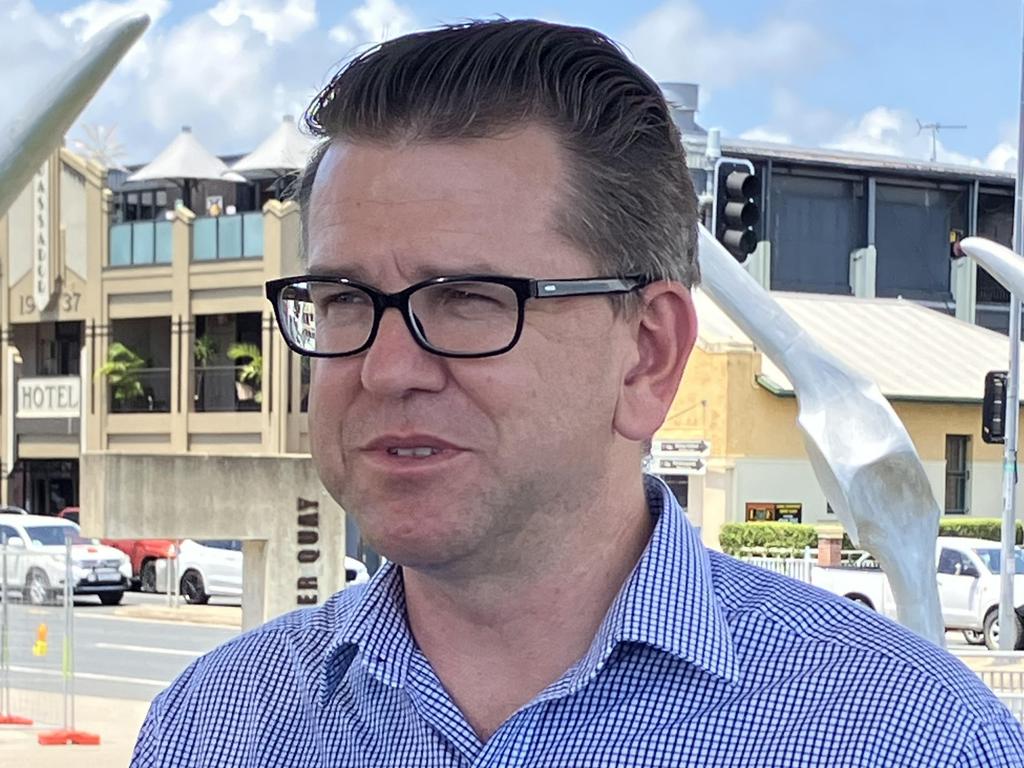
x=37, y=582
x=796, y=568
x=1008, y=685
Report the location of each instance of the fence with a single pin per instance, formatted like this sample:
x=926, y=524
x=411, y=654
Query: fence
x=38, y=575
x=799, y=568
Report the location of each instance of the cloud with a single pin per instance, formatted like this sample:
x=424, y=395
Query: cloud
x=761, y=133
x=676, y=41
x=229, y=69
x=90, y=18
x=374, y=22
x=1002, y=157
x=278, y=21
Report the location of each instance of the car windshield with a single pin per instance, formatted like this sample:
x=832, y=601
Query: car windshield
x=49, y=535
x=993, y=558
x=222, y=544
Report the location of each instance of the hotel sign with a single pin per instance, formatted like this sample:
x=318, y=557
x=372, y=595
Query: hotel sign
x=41, y=236
x=49, y=397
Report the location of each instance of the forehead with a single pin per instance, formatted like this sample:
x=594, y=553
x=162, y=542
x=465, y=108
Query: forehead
x=410, y=210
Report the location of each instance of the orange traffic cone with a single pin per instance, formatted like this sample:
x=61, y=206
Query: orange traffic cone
x=40, y=646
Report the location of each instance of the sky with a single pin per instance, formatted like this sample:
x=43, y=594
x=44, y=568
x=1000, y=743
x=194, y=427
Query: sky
x=812, y=73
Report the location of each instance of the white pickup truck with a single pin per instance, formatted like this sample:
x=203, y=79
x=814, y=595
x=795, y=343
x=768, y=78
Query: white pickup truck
x=968, y=579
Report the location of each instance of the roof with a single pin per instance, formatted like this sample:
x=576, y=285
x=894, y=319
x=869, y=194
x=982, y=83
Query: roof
x=864, y=160
x=911, y=352
x=185, y=158
x=286, y=149
x=966, y=541
x=10, y=517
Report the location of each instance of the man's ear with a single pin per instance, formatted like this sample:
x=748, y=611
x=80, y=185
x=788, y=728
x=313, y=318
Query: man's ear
x=664, y=333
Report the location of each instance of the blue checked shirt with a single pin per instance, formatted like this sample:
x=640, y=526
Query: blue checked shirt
x=701, y=661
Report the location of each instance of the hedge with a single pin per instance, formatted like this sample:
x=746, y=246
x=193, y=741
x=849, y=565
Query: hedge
x=789, y=539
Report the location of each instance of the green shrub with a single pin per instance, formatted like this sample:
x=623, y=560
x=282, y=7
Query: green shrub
x=788, y=539
x=782, y=539
x=977, y=528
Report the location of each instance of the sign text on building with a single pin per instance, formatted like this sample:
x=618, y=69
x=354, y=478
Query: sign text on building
x=41, y=236
x=49, y=397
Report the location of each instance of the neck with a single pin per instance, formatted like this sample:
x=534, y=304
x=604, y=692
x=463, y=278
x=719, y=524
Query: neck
x=496, y=641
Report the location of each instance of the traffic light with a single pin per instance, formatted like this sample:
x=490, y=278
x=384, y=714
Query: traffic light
x=737, y=212
x=993, y=409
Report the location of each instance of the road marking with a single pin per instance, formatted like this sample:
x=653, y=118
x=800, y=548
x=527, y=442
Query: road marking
x=146, y=649
x=174, y=622
x=91, y=676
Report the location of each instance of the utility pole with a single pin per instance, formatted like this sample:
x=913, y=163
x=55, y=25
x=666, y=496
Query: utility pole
x=935, y=128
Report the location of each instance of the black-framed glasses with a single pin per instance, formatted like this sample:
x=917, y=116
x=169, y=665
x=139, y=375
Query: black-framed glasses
x=458, y=316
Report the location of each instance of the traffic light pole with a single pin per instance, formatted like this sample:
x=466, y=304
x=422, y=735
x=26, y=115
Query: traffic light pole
x=1007, y=611
x=714, y=188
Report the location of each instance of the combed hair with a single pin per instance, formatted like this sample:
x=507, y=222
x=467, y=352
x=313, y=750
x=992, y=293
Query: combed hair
x=629, y=202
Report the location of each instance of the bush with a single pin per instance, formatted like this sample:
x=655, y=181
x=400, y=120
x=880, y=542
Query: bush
x=788, y=539
x=782, y=539
x=990, y=528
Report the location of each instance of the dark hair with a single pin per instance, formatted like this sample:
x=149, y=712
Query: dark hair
x=630, y=201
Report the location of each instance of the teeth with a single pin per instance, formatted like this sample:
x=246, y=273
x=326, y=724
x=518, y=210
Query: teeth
x=412, y=451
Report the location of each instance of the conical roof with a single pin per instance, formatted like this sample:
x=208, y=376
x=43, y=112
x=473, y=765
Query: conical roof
x=185, y=158
x=283, y=151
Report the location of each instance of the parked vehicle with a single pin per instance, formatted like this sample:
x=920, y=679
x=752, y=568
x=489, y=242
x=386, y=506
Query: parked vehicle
x=208, y=569
x=143, y=554
x=967, y=571
x=70, y=513
x=36, y=560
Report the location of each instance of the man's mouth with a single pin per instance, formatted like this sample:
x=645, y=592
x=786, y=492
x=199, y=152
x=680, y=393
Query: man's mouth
x=420, y=452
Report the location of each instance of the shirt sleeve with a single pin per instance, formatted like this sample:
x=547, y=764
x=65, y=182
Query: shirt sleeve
x=146, y=753
x=997, y=743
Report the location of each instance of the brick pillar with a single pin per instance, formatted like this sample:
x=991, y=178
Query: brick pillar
x=830, y=547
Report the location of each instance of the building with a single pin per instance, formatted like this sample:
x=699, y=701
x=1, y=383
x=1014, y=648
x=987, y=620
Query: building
x=730, y=447
x=142, y=376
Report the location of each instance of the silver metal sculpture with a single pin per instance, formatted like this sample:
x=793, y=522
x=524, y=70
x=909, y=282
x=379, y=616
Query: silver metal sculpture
x=861, y=453
x=25, y=143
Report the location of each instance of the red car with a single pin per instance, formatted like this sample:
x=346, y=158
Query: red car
x=143, y=553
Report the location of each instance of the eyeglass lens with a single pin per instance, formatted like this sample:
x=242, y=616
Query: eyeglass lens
x=459, y=317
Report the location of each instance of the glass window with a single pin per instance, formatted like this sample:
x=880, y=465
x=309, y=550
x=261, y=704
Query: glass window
x=912, y=227
x=993, y=558
x=50, y=535
x=957, y=473
x=949, y=559
x=816, y=224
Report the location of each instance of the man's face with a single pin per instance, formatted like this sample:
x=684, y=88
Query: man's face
x=519, y=439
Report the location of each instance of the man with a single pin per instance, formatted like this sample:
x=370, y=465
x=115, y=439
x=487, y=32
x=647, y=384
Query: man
x=500, y=230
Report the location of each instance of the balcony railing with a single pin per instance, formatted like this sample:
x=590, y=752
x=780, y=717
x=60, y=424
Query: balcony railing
x=217, y=388
x=147, y=390
x=239, y=236
x=135, y=243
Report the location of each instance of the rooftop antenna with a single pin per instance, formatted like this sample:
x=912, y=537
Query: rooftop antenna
x=935, y=128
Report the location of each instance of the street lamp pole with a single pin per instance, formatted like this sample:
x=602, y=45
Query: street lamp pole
x=1007, y=612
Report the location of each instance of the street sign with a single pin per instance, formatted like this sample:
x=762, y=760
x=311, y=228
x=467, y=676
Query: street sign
x=680, y=457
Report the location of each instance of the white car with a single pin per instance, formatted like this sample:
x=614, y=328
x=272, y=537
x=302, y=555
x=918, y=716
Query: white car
x=36, y=560
x=208, y=569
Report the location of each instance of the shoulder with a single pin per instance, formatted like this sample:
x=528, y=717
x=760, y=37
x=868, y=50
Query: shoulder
x=267, y=676
x=854, y=646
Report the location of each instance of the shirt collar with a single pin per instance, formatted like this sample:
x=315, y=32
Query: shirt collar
x=668, y=603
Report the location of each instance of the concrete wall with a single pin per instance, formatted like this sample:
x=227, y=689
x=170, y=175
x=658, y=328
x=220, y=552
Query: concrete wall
x=294, y=532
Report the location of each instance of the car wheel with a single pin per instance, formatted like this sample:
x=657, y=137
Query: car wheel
x=111, y=598
x=192, y=588
x=990, y=630
x=147, y=578
x=37, y=587
x=862, y=600
x=974, y=637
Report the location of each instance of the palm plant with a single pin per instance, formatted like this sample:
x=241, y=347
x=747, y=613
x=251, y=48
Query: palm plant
x=122, y=371
x=250, y=359
x=204, y=349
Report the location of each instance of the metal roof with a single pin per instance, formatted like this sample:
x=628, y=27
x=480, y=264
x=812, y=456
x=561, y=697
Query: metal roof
x=910, y=351
x=854, y=161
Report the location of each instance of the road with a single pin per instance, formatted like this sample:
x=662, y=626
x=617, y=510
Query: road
x=115, y=656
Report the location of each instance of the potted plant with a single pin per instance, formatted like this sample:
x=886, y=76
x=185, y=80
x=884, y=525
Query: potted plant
x=204, y=349
x=122, y=371
x=249, y=358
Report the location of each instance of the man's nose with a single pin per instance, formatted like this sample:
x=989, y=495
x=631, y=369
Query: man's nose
x=395, y=363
